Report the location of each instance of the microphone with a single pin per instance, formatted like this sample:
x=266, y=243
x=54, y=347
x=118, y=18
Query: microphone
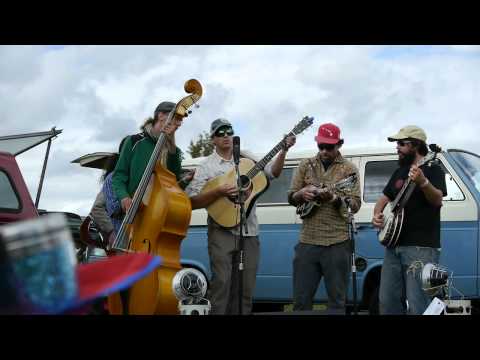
x=236, y=150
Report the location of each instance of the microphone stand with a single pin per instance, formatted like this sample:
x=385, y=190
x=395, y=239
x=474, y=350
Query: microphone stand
x=351, y=231
x=241, y=255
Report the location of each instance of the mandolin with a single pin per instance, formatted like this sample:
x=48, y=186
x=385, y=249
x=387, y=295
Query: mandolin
x=307, y=208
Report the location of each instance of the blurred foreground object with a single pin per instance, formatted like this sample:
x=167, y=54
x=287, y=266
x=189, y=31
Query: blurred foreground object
x=39, y=273
x=190, y=286
x=436, y=279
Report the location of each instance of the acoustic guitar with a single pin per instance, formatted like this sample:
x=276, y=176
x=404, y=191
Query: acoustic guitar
x=226, y=211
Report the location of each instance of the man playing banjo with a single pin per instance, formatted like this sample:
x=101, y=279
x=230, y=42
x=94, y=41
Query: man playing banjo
x=419, y=237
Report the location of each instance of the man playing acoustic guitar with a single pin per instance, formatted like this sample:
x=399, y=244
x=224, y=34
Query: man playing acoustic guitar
x=419, y=239
x=222, y=242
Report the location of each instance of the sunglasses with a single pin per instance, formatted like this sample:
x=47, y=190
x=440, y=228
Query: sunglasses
x=403, y=142
x=223, y=132
x=328, y=147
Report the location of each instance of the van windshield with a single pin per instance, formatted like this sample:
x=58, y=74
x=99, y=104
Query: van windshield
x=470, y=163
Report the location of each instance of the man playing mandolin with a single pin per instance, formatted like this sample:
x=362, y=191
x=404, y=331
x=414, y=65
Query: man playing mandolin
x=324, y=248
x=221, y=241
x=419, y=238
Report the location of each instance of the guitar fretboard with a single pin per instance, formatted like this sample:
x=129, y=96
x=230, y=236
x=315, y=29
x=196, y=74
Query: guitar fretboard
x=409, y=186
x=259, y=166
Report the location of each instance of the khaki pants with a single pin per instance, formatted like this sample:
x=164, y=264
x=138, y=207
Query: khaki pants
x=223, y=291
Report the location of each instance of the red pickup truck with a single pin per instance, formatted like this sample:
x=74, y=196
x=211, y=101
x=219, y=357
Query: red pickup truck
x=16, y=202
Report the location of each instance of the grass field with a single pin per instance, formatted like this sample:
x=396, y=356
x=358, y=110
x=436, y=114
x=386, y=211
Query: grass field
x=321, y=307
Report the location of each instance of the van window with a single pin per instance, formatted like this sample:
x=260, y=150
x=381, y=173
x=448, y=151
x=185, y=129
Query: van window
x=470, y=163
x=453, y=190
x=277, y=191
x=8, y=197
x=377, y=174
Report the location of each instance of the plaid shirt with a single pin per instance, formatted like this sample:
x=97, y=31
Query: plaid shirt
x=329, y=223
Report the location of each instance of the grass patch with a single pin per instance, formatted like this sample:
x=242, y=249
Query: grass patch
x=321, y=307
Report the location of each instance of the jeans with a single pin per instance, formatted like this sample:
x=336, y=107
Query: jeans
x=401, y=279
x=311, y=263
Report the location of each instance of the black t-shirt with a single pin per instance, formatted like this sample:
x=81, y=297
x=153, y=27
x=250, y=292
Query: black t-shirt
x=421, y=223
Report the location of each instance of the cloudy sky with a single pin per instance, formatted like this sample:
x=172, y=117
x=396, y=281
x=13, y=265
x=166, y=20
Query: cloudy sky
x=98, y=94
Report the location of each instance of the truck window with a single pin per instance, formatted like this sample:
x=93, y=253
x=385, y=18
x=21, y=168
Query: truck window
x=377, y=174
x=8, y=197
x=277, y=191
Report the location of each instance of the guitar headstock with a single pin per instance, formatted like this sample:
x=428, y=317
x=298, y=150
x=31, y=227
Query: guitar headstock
x=431, y=156
x=305, y=123
x=435, y=148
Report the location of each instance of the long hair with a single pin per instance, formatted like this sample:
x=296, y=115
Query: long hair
x=170, y=139
x=112, y=161
x=420, y=146
x=148, y=121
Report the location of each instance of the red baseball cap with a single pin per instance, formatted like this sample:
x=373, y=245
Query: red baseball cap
x=328, y=134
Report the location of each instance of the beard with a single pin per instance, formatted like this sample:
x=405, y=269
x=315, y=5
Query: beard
x=407, y=159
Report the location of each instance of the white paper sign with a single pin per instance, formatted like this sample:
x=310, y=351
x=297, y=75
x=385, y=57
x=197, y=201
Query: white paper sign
x=436, y=307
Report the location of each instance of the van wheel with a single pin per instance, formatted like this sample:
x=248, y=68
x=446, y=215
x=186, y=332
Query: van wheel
x=374, y=302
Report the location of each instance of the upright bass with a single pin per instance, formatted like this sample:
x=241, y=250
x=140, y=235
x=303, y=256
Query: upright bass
x=156, y=223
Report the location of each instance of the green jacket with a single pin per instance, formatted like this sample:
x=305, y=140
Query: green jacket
x=133, y=160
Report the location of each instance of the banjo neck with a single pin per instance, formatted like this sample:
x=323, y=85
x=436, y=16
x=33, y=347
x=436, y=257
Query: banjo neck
x=407, y=189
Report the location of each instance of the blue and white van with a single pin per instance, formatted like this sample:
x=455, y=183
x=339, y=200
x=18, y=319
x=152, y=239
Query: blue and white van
x=280, y=227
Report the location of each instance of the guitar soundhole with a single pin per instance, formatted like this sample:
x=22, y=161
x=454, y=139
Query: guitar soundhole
x=246, y=183
x=246, y=187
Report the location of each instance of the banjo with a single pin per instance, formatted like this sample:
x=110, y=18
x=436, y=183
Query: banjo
x=394, y=211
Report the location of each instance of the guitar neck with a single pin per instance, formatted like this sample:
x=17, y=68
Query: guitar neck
x=409, y=186
x=408, y=193
x=400, y=194
x=259, y=166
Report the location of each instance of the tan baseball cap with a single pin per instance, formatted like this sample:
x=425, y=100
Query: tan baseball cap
x=409, y=132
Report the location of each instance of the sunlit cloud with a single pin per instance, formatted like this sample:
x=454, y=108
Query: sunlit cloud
x=99, y=94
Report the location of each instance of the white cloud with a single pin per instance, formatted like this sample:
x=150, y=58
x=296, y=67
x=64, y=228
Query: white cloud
x=98, y=94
